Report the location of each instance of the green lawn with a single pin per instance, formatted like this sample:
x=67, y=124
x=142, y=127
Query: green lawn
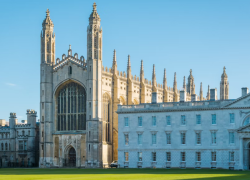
x=120, y=174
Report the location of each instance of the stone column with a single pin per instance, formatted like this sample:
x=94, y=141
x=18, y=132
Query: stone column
x=241, y=154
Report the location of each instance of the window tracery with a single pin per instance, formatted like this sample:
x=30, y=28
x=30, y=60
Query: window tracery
x=71, y=108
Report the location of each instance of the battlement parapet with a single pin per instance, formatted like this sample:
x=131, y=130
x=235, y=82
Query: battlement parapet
x=74, y=59
x=31, y=111
x=12, y=115
x=23, y=126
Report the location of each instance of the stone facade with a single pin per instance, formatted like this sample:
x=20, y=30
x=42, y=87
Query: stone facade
x=200, y=134
x=94, y=125
x=19, y=142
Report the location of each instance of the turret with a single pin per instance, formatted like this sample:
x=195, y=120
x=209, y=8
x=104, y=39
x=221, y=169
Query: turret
x=94, y=85
x=224, y=85
x=154, y=84
x=48, y=41
x=175, y=99
x=129, y=83
x=165, y=87
x=114, y=65
x=184, y=83
x=201, y=92
x=208, y=93
x=191, y=85
x=12, y=123
x=142, y=85
x=31, y=117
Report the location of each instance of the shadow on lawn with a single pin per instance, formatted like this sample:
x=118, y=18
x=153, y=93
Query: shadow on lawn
x=235, y=174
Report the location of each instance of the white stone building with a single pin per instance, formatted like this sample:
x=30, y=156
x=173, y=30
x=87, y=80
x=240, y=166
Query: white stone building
x=19, y=146
x=194, y=134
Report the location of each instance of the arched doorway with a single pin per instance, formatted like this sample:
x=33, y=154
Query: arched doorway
x=72, y=157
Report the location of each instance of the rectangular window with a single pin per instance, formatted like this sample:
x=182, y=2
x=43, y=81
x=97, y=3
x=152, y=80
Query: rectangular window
x=139, y=156
x=231, y=156
x=198, y=138
x=126, y=139
x=153, y=138
x=183, y=138
x=168, y=120
x=25, y=145
x=231, y=117
x=42, y=105
x=183, y=120
x=139, y=138
x=213, y=154
x=168, y=138
x=139, y=121
x=153, y=156
x=168, y=156
x=183, y=156
x=213, y=137
x=231, y=137
x=153, y=120
x=198, y=119
x=213, y=118
x=198, y=156
x=20, y=145
x=126, y=121
x=126, y=156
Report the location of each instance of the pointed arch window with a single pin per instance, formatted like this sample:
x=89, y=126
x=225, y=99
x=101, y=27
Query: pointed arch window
x=106, y=117
x=71, y=108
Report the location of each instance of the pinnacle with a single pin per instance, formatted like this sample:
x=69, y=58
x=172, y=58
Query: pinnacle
x=47, y=12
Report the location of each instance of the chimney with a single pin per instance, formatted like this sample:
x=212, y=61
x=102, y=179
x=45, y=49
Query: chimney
x=244, y=91
x=193, y=97
x=213, y=94
x=154, y=97
x=182, y=96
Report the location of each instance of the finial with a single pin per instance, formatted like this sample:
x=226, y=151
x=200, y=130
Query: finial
x=94, y=6
x=165, y=73
x=69, y=46
x=47, y=12
x=190, y=71
x=142, y=64
x=128, y=60
x=224, y=69
x=114, y=57
x=154, y=68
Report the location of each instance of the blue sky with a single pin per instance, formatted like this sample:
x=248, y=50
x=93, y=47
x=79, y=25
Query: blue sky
x=178, y=35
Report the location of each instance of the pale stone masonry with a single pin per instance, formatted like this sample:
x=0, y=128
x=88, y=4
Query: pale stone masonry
x=79, y=99
x=19, y=142
x=200, y=134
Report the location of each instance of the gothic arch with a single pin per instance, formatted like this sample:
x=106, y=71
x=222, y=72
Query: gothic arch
x=70, y=106
x=107, y=117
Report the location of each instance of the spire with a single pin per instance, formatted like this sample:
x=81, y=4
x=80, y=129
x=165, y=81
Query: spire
x=47, y=21
x=201, y=92
x=184, y=83
x=129, y=65
x=142, y=72
x=175, y=83
x=114, y=57
x=190, y=84
x=224, y=85
x=224, y=74
x=129, y=68
x=208, y=93
x=154, y=80
x=165, y=80
x=94, y=17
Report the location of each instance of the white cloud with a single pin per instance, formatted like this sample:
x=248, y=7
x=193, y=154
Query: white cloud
x=11, y=84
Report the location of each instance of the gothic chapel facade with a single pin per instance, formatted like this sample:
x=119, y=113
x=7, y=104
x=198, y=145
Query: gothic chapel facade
x=79, y=99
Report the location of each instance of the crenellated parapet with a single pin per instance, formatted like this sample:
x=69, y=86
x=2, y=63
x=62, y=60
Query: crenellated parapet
x=70, y=58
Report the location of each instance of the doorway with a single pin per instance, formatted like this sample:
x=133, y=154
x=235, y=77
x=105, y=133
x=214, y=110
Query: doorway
x=72, y=157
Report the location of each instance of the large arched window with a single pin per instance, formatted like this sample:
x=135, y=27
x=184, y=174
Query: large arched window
x=71, y=108
x=246, y=121
x=106, y=117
